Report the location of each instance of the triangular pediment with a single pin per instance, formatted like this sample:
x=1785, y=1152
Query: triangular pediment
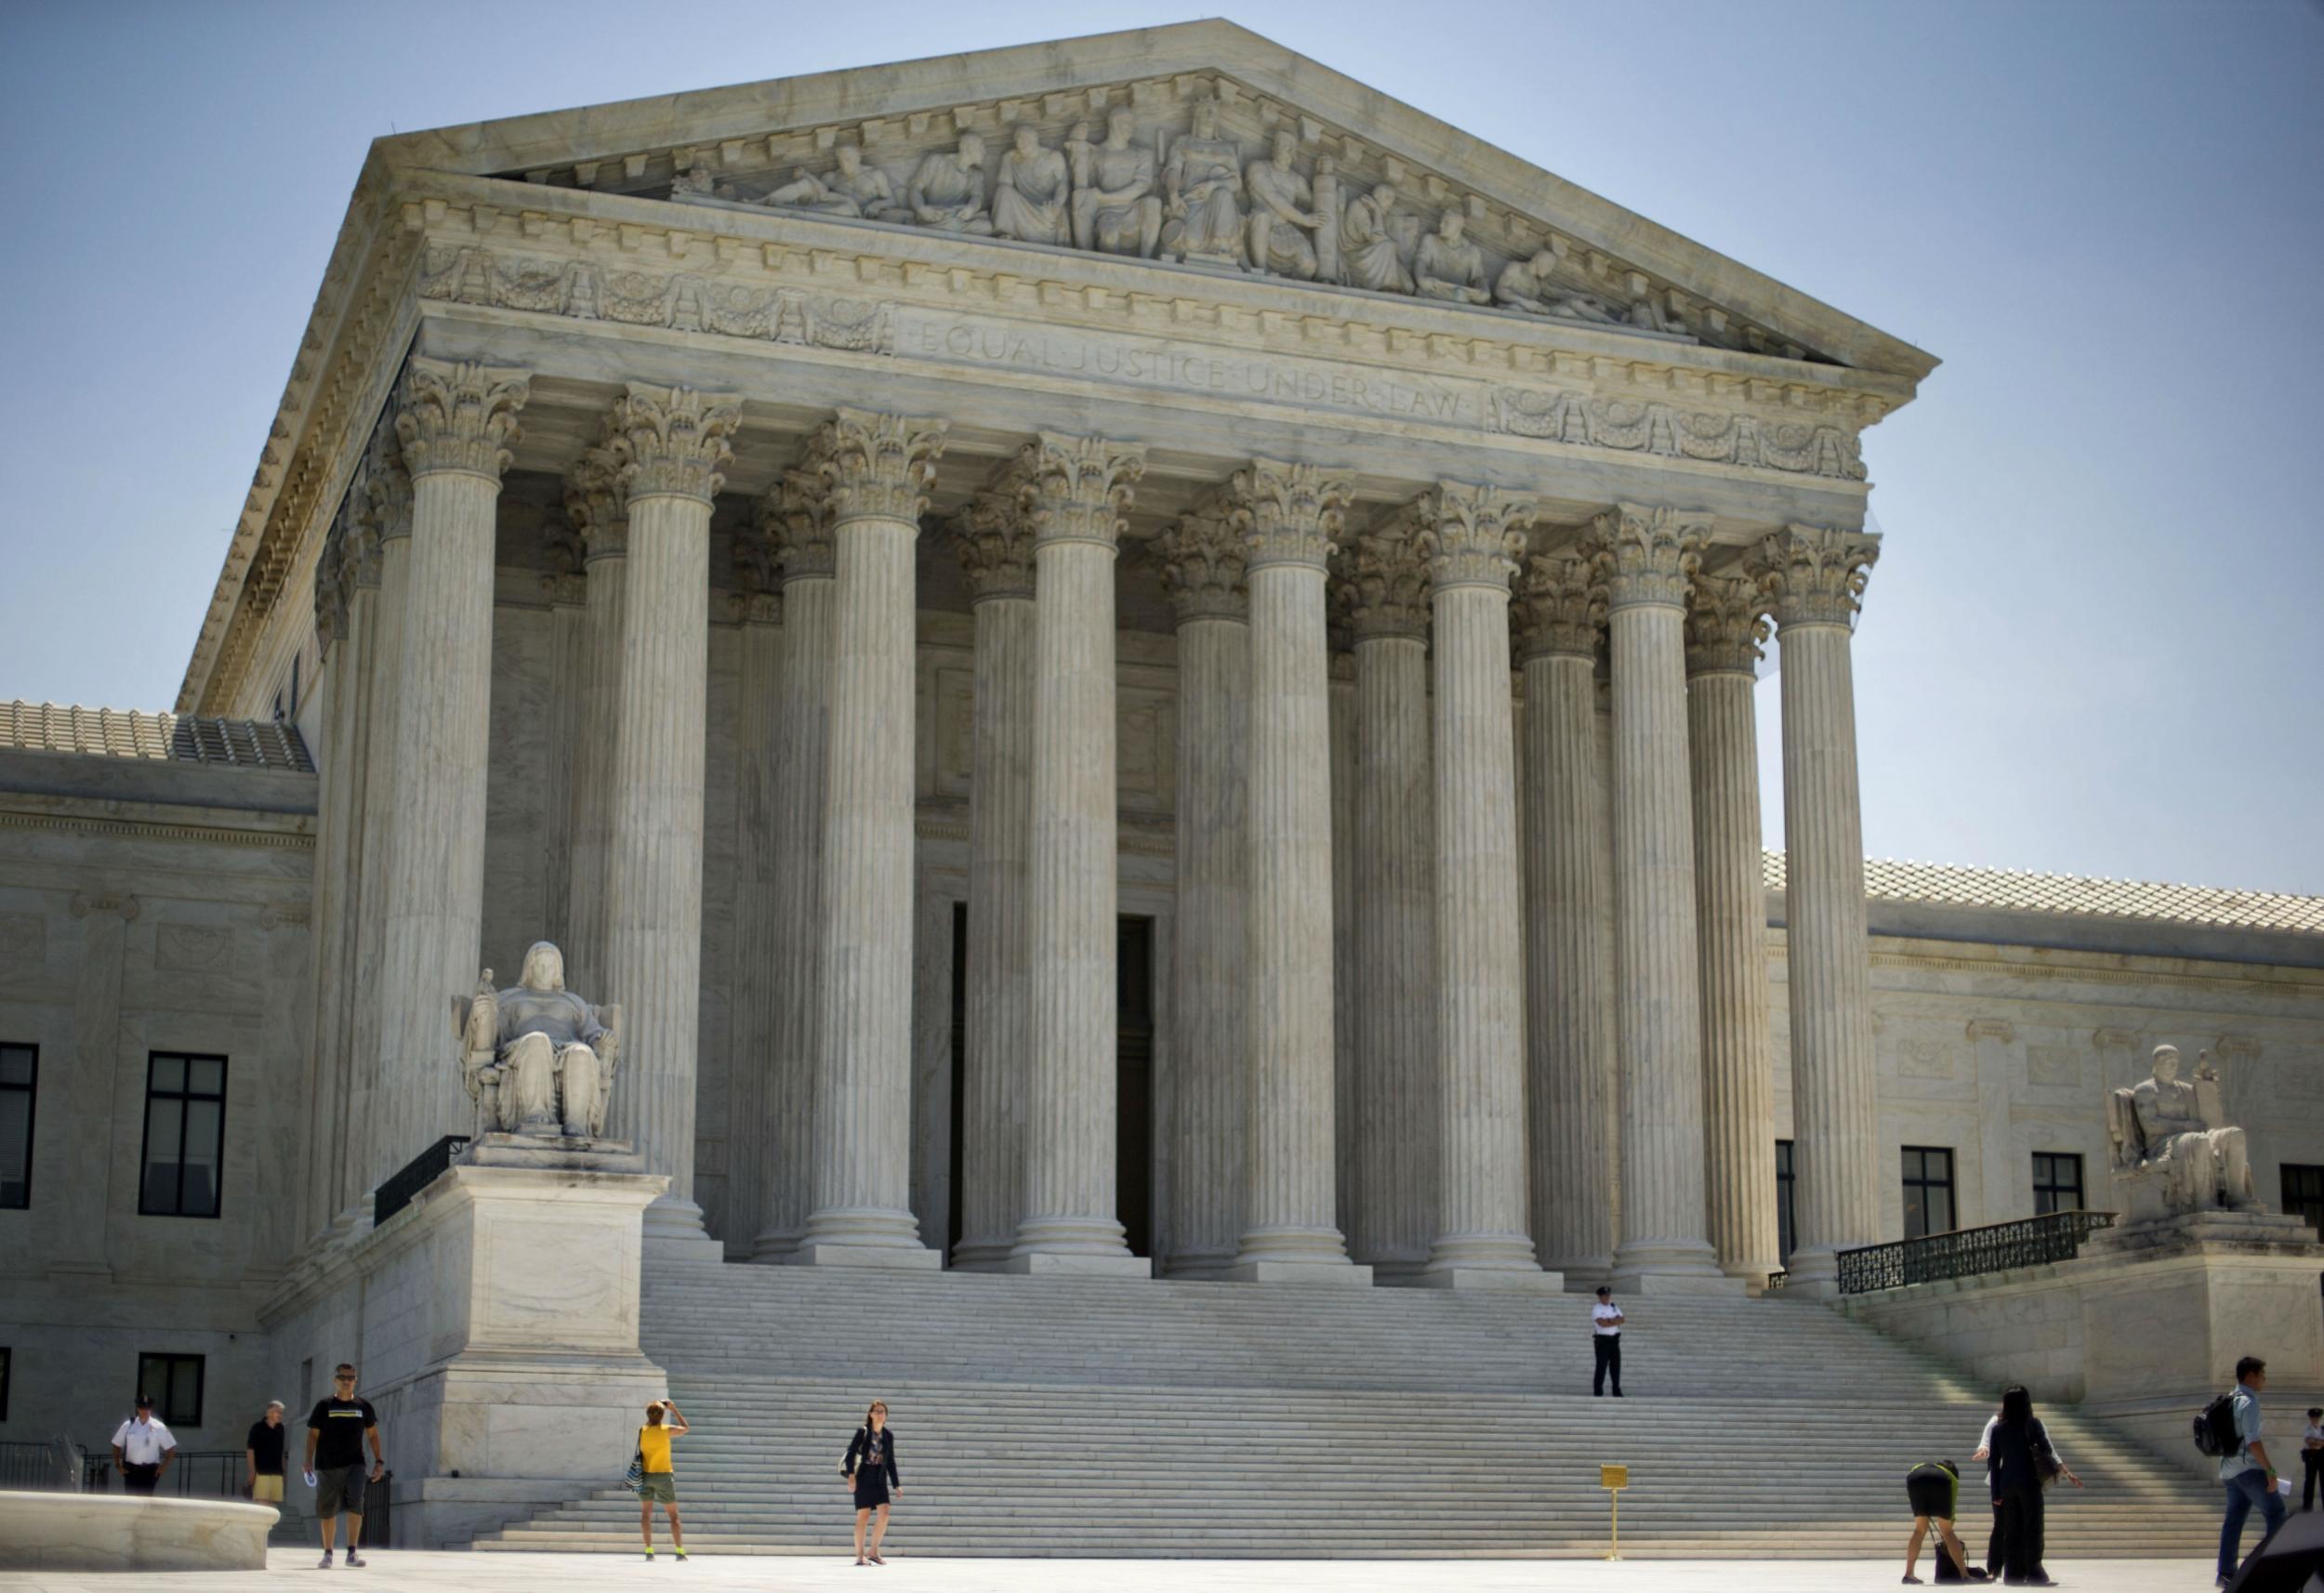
x=1166, y=144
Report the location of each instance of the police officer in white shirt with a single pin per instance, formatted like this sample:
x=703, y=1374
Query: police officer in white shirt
x=143, y=1449
x=1605, y=1342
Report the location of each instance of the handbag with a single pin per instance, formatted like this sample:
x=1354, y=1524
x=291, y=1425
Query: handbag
x=2045, y=1459
x=634, y=1479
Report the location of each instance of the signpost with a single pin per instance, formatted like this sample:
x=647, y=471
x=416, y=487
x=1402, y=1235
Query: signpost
x=1613, y=1478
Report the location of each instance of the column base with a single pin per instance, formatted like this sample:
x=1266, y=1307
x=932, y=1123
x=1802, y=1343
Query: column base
x=893, y=1257
x=1209, y=1266
x=1670, y=1267
x=1075, y=1264
x=1341, y=1273
x=1399, y=1271
x=1492, y=1280
x=1582, y=1274
x=1813, y=1274
x=672, y=1231
x=981, y=1256
x=772, y=1250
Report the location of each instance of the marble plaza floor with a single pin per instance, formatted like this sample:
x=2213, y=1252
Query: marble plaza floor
x=460, y=1573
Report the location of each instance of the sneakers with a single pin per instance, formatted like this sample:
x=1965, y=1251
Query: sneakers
x=326, y=1562
x=353, y=1558
x=682, y=1552
x=649, y=1554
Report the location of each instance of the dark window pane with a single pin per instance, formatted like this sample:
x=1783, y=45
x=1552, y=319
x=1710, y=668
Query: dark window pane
x=205, y=1075
x=170, y=1073
x=16, y=1064
x=16, y=1147
x=164, y=1136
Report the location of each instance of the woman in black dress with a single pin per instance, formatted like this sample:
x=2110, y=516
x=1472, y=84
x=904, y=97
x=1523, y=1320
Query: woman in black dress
x=2021, y=1463
x=871, y=1470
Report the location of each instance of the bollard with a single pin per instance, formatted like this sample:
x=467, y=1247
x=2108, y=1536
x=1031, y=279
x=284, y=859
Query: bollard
x=1613, y=1478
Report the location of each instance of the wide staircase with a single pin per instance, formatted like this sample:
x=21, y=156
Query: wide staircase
x=1079, y=1416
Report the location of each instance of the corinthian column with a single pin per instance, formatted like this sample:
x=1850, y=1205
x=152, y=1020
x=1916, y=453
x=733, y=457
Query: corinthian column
x=1647, y=558
x=599, y=512
x=994, y=540
x=673, y=444
x=1572, y=1137
x=1724, y=631
x=756, y=606
x=453, y=422
x=797, y=514
x=1202, y=566
x=1392, y=998
x=1813, y=577
x=1289, y=515
x=1076, y=490
x=880, y=467
x=1473, y=534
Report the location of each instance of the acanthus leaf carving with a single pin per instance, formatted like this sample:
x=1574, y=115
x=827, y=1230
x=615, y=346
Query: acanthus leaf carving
x=1473, y=534
x=1647, y=554
x=673, y=442
x=1077, y=488
x=1203, y=557
x=458, y=416
x=1382, y=588
x=1811, y=575
x=879, y=467
x=1559, y=607
x=796, y=515
x=1289, y=513
x=992, y=536
x=1725, y=624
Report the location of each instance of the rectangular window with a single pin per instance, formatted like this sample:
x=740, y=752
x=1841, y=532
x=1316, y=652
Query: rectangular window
x=174, y=1384
x=19, y=1079
x=2303, y=1194
x=1928, y=1191
x=2057, y=1183
x=185, y=1135
x=1786, y=1181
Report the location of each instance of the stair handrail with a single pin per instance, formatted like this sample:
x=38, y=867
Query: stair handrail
x=1968, y=1252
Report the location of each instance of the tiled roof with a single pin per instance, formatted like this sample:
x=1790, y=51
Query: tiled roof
x=125, y=732
x=2027, y=892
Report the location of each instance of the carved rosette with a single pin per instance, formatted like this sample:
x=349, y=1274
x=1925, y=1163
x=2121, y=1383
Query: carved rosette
x=1382, y=589
x=1647, y=556
x=993, y=539
x=1473, y=534
x=1559, y=607
x=1077, y=487
x=674, y=441
x=458, y=417
x=1724, y=625
x=879, y=467
x=1290, y=514
x=1811, y=574
x=595, y=507
x=1202, y=557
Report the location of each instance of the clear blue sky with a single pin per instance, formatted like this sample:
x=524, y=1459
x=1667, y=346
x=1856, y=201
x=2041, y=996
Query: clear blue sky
x=2093, y=644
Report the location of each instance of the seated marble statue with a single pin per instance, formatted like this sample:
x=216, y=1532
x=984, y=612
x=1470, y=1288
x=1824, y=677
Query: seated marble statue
x=853, y=189
x=536, y=1058
x=1202, y=189
x=1530, y=285
x=1116, y=210
x=1032, y=192
x=1369, y=256
x=1448, y=265
x=1283, y=219
x=947, y=189
x=2177, y=1132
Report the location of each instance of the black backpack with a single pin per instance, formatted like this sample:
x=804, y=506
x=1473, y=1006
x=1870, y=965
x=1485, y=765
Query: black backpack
x=2216, y=1431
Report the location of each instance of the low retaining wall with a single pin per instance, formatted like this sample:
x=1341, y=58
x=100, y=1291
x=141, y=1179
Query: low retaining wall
x=121, y=1532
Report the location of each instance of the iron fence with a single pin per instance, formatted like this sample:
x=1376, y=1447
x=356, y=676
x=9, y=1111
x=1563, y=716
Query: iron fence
x=41, y=1466
x=1966, y=1252
x=415, y=1175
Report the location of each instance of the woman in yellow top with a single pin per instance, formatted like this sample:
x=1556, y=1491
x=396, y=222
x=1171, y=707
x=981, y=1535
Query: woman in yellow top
x=660, y=1485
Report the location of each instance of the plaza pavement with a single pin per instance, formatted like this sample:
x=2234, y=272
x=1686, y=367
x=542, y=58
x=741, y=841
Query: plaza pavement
x=463, y=1573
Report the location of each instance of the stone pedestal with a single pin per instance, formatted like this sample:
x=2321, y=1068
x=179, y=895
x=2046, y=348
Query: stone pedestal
x=496, y=1317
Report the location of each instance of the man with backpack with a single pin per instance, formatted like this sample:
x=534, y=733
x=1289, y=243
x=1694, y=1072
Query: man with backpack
x=2244, y=1468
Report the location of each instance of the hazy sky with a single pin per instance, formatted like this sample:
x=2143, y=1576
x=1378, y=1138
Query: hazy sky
x=2093, y=644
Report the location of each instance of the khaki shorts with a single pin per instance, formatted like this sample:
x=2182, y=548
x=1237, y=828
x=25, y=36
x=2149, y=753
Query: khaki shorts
x=658, y=1488
x=267, y=1490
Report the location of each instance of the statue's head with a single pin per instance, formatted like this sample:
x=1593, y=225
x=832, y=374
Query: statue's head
x=1543, y=262
x=1028, y=138
x=543, y=966
x=1287, y=144
x=972, y=150
x=2166, y=1062
x=851, y=157
x=1385, y=197
x=1448, y=226
x=1206, y=118
x=1120, y=123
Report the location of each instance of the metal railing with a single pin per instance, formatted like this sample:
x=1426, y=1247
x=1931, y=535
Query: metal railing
x=1966, y=1252
x=41, y=1466
x=415, y=1175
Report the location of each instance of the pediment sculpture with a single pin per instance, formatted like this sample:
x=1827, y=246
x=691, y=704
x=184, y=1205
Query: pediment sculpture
x=536, y=1059
x=2174, y=1149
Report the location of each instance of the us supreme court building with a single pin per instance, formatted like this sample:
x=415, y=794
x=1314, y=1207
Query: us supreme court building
x=1129, y=659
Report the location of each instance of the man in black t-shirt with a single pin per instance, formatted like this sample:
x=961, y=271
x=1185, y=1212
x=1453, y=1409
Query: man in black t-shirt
x=334, y=1460
x=262, y=1454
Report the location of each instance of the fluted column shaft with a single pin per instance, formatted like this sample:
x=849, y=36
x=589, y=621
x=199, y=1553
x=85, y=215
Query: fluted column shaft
x=452, y=421
x=995, y=546
x=1077, y=488
x=1657, y=1005
x=879, y=468
x=1572, y=1132
x=348, y=644
x=1481, y=1238
x=608, y=579
x=673, y=444
x=754, y=1061
x=374, y=848
x=1738, y=1078
x=1291, y=1233
x=1814, y=577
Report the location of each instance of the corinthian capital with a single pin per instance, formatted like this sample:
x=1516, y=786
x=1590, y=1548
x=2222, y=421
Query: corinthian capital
x=332, y=582
x=757, y=570
x=673, y=442
x=1812, y=574
x=992, y=536
x=795, y=514
x=459, y=416
x=1647, y=556
x=1473, y=534
x=1559, y=607
x=1079, y=486
x=1288, y=514
x=1202, y=560
x=1384, y=584
x=1723, y=625
x=879, y=466
x=382, y=492
x=595, y=506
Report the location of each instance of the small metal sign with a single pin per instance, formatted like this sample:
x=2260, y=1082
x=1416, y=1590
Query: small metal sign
x=1613, y=1476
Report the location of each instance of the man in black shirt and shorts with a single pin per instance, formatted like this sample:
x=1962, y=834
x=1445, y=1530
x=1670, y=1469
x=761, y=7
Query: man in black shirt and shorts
x=335, y=1461
x=262, y=1454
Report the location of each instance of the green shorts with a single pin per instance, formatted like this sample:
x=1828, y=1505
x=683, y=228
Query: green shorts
x=659, y=1488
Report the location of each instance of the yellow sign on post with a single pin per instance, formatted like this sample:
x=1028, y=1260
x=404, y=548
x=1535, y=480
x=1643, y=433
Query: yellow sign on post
x=1613, y=1478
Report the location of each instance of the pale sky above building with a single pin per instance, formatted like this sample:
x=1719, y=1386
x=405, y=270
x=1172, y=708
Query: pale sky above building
x=2093, y=644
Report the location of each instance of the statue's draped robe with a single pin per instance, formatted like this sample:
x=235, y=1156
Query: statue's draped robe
x=1030, y=201
x=547, y=1036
